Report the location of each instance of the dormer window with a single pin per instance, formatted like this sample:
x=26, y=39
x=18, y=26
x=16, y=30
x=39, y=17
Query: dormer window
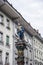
x=1, y=19
x=8, y=24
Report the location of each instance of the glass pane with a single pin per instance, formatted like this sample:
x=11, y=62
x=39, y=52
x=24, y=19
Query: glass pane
x=8, y=23
x=1, y=36
x=7, y=57
x=7, y=39
x=1, y=18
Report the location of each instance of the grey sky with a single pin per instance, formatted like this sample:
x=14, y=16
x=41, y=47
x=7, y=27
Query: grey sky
x=32, y=11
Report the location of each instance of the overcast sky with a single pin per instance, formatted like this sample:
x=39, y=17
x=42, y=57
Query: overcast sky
x=32, y=11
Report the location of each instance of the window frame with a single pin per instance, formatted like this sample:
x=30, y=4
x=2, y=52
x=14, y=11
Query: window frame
x=7, y=40
x=7, y=58
x=8, y=23
x=2, y=18
x=1, y=40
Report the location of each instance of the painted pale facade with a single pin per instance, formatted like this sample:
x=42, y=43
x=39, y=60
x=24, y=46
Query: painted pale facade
x=6, y=32
x=38, y=51
x=28, y=53
x=33, y=55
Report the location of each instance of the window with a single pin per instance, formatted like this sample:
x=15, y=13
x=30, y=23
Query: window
x=37, y=52
x=0, y=56
x=1, y=19
x=30, y=63
x=7, y=40
x=8, y=24
x=7, y=58
x=30, y=51
x=35, y=62
x=1, y=37
x=26, y=62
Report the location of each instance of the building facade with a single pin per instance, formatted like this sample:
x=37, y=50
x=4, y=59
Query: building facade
x=9, y=17
x=28, y=53
x=6, y=40
x=38, y=51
